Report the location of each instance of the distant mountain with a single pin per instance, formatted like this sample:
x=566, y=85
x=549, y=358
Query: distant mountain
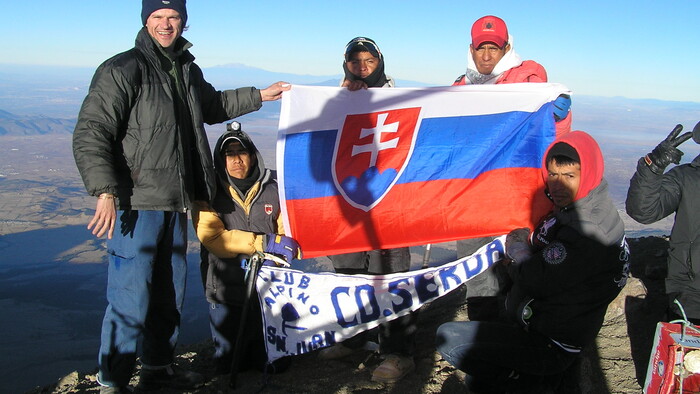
x=59, y=91
x=15, y=125
x=43, y=90
x=4, y=115
x=43, y=99
x=236, y=75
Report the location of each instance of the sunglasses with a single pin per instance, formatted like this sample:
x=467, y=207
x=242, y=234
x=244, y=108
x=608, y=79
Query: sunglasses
x=361, y=41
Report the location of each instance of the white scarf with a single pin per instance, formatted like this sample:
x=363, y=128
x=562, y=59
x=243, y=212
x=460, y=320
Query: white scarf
x=508, y=61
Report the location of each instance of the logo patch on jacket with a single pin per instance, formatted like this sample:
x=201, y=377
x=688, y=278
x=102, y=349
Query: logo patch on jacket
x=545, y=232
x=268, y=209
x=554, y=253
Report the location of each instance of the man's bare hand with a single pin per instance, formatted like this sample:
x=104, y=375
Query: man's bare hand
x=354, y=85
x=104, y=219
x=274, y=91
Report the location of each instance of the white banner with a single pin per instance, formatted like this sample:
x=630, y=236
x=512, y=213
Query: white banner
x=303, y=312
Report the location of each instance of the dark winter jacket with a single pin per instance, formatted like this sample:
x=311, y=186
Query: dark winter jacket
x=233, y=227
x=652, y=197
x=132, y=138
x=579, y=262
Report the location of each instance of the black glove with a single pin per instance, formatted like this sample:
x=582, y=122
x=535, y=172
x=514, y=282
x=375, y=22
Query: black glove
x=518, y=245
x=666, y=152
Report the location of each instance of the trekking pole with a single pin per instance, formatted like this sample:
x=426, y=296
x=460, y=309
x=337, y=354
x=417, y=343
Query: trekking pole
x=252, y=268
x=426, y=256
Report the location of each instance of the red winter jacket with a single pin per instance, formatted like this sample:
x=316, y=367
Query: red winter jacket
x=527, y=71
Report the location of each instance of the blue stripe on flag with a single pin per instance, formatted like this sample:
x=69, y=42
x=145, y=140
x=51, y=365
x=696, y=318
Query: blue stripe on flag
x=446, y=148
x=467, y=146
x=307, y=164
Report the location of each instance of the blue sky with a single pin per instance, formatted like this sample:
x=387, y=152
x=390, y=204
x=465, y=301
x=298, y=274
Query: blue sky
x=636, y=49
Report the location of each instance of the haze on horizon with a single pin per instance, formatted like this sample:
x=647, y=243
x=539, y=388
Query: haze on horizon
x=624, y=48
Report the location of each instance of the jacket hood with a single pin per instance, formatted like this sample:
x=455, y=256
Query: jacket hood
x=595, y=217
x=592, y=165
x=592, y=213
x=696, y=161
x=377, y=78
x=220, y=160
x=509, y=60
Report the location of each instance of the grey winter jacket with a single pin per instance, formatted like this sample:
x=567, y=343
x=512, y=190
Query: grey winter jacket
x=130, y=139
x=569, y=283
x=652, y=197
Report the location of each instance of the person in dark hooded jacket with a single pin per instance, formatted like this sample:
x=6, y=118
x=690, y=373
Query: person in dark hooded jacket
x=652, y=196
x=243, y=219
x=364, y=68
x=564, y=274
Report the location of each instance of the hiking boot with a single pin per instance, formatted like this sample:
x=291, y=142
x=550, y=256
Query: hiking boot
x=171, y=376
x=336, y=351
x=393, y=368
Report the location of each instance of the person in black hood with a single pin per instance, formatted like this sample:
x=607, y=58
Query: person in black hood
x=364, y=68
x=243, y=219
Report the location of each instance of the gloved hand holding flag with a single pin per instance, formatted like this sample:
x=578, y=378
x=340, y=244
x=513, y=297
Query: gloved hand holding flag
x=280, y=250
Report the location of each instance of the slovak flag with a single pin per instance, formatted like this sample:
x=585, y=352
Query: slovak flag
x=385, y=168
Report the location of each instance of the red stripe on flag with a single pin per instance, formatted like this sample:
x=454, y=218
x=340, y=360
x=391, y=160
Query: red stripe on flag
x=421, y=213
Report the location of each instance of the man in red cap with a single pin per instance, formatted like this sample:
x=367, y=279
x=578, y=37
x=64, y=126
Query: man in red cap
x=494, y=61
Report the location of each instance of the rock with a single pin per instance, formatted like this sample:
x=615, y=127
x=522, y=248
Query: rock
x=634, y=288
x=70, y=380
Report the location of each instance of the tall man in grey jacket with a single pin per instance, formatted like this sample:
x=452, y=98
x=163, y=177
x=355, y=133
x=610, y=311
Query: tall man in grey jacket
x=141, y=149
x=652, y=196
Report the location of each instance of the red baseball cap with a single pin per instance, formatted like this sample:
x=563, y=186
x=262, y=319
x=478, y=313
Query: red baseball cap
x=489, y=29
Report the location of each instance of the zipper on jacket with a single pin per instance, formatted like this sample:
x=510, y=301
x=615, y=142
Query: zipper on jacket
x=175, y=81
x=179, y=175
x=689, y=262
x=198, y=139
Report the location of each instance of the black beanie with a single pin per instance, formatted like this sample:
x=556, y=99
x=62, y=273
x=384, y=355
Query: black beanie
x=149, y=6
x=563, y=149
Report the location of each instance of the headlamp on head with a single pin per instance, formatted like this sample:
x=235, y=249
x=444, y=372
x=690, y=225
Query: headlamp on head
x=236, y=134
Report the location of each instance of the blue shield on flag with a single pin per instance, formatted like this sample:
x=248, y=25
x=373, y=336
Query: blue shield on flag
x=371, y=152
